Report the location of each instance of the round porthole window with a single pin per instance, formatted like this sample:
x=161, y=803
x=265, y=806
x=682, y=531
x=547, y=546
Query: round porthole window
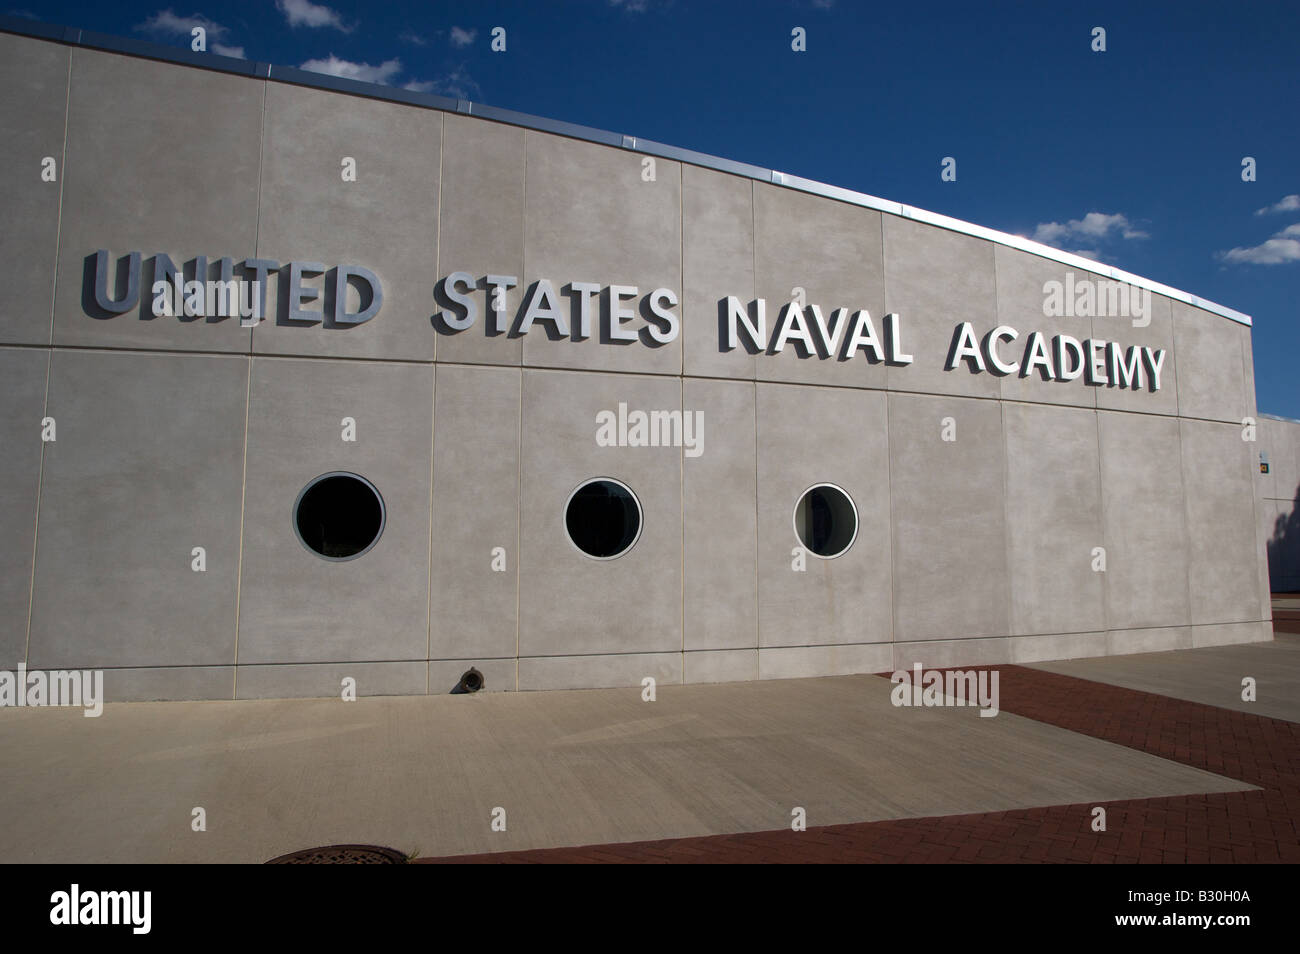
x=603, y=518
x=339, y=516
x=826, y=521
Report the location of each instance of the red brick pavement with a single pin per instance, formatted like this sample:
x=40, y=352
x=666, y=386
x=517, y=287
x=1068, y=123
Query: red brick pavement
x=1257, y=826
x=1286, y=621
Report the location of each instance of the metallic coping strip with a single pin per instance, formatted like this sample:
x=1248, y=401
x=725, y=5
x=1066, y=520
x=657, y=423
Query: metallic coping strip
x=1279, y=417
x=287, y=74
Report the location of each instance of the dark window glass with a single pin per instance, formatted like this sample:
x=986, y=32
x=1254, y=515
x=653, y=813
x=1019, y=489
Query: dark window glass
x=603, y=518
x=339, y=516
x=826, y=521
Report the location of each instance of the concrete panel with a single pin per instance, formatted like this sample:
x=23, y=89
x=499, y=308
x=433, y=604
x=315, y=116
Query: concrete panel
x=717, y=261
x=1053, y=512
x=160, y=158
x=726, y=665
x=797, y=662
x=1283, y=446
x=34, y=76
x=1159, y=334
x=473, y=606
x=294, y=605
x=387, y=220
x=1030, y=649
x=1124, y=641
x=326, y=681
x=832, y=251
x=147, y=465
x=1281, y=514
x=481, y=228
x=1211, y=379
x=1286, y=539
x=1248, y=366
x=591, y=218
x=570, y=603
x=1267, y=434
x=1289, y=490
x=719, y=534
x=945, y=653
x=169, y=683
x=1021, y=279
x=498, y=674
x=809, y=436
x=23, y=372
x=949, y=524
x=936, y=279
x=1265, y=513
x=1144, y=521
x=599, y=672
x=1223, y=555
x=1284, y=547
x=1231, y=634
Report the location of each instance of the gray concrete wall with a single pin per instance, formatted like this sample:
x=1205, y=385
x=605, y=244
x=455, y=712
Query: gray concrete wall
x=986, y=503
x=1278, y=501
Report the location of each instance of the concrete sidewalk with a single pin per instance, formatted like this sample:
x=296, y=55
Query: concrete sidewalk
x=423, y=774
x=1211, y=676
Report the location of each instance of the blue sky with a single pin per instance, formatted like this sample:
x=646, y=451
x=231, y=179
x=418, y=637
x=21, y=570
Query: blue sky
x=1132, y=156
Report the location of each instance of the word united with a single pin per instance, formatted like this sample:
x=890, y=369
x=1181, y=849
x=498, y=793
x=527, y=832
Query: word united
x=58, y=687
x=172, y=294
x=217, y=299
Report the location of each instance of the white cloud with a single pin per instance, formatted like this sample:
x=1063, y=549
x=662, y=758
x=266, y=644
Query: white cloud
x=1282, y=248
x=1094, y=225
x=1273, y=252
x=457, y=84
x=167, y=23
x=461, y=37
x=410, y=36
x=333, y=66
x=308, y=14
x=632, y=6
x=1290, y=203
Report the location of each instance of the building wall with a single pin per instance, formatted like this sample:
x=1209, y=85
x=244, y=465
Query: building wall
x=1278, y=501
x=176, y=434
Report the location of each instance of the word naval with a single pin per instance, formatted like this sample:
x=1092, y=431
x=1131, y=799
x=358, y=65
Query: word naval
x=841, y=334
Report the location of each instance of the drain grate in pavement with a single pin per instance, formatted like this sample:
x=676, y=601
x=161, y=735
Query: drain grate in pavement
x=342, y=855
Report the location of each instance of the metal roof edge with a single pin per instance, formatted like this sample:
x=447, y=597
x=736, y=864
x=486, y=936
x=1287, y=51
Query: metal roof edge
x=287, y=74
